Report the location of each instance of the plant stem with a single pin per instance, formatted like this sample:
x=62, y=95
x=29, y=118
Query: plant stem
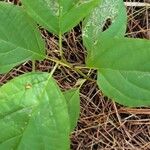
x=53, y=70
x=83, y=75
x=71, y=67
x=60, y=62
x=60, y=45
x=60, y=33
x=33, y=66
x=51, y=73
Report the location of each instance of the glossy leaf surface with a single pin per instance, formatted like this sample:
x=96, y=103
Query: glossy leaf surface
x=33, y=114
x=73, y=103
x=129, y=88
x=124, y=70
x=58, y=16
x=122, y=54
x=20, y=39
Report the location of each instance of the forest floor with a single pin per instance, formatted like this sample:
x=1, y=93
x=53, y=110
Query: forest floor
x=103, y=124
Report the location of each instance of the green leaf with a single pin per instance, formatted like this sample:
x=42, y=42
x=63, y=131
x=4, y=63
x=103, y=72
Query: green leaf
x=129, y=88
x=113, y=11
x=118, y=17
x=33, y=114
x=58, y=16
x=20, y=39
x=124, y=70
x=73, y=103
x=121, y=54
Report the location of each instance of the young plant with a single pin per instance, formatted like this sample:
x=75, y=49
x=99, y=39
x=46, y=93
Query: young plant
x=34, y=113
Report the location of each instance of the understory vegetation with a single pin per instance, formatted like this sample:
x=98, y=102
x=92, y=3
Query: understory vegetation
x=74, y=73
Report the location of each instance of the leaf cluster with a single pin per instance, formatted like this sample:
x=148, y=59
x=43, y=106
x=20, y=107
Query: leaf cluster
x=34, y=112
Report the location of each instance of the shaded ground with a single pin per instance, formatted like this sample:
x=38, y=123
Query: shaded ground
x=103, y=124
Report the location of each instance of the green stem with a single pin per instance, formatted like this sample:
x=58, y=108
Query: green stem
x=84, y=67
x=53, y=70
x=51, y=73
x=60, y=33
x=60, y=45
x=82, y=74
x=60, y=62
x=33, y=66
x=71, y=67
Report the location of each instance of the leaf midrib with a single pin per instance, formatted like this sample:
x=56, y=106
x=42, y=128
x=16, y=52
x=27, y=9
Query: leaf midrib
x=34, y=108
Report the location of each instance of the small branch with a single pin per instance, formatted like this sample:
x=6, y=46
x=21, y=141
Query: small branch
x=60, y=45
x=71, y=67
x=136, y=4
x=53, y=70
x=33, y=66
x=60, y=62
x=60, y=34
